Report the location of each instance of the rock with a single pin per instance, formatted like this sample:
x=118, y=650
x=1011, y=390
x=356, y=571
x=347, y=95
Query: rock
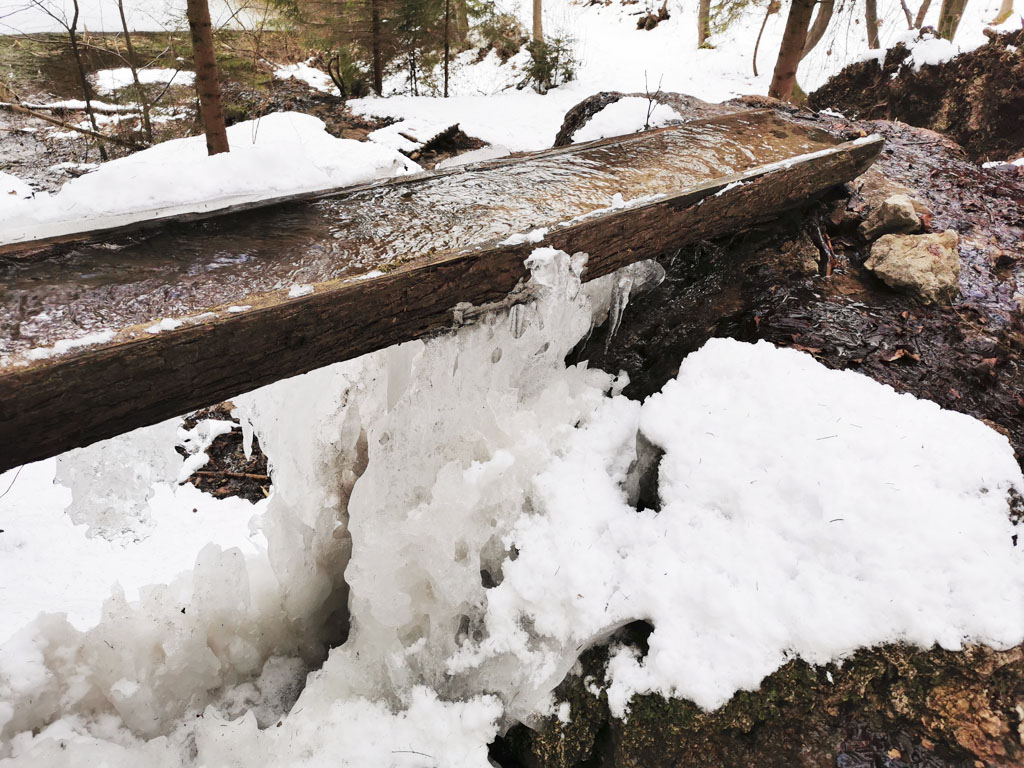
x=896, y=215
x=925, y=265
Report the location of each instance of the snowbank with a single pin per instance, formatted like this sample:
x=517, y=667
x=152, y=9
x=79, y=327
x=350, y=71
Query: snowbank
x=284, y=153
x=467, y=511
x=311, y=76
x=107, y=81
x=627, y=115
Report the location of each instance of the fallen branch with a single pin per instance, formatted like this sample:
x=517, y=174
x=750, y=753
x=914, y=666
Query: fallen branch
x=63, y=124
x=225, y=473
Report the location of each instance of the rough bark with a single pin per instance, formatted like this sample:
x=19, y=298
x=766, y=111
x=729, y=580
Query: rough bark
x=538, y=20
x=819, y=26
x=55, y=404
x=922, y=12
x=794, y=38
x=949, y=17
x=207, y=80
x=703, y=23
x=871, y=22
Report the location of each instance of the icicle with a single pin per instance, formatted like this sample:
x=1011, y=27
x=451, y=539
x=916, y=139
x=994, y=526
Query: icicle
x=632, y=280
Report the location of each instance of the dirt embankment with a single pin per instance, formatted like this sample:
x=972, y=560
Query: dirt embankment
x=977, y=98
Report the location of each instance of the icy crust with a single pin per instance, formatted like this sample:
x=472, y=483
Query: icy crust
x=280, y=154
x=461, y=518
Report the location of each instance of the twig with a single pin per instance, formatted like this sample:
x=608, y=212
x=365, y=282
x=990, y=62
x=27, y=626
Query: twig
x=62, y=124
x=226, y=473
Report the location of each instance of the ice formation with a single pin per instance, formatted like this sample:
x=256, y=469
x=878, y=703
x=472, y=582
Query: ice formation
x=454, y=520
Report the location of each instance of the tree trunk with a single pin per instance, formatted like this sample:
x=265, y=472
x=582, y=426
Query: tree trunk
x=773, y=7
x=821, y=20
x=703, y=23
x=207, y=81
x=871, y=19
x=538, y=21
x=86, y=90
x=1005, y=11
x=794, y=38
x=140, y=94
x=447, y=42
x=375, y=48
x=949, y=17
x=907, y=14
x=921, y=13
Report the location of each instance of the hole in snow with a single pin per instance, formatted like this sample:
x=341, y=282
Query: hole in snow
x=496, y=355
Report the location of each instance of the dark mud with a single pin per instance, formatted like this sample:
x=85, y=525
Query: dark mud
x=977, y=98
x=763, y=284
x=229, y=472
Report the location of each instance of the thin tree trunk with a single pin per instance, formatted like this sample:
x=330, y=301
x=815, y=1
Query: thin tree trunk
x=819, y=26
x=794, y=38
x=147, y=125
x=921, y=13
x=949, y=17
x=447, y=43
x=86, y=90
x=375, y=48
x=703, y=23
x=207, y=81
x=907, y=13
x=538, y=21
x=871, y=20
x=1005, y=11
x=773, y=7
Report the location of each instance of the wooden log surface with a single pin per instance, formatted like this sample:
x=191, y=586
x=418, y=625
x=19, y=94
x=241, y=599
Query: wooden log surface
x=52, y=405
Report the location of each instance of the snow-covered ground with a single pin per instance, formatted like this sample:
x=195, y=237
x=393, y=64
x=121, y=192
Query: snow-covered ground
x=281, y=154
x=801, y=511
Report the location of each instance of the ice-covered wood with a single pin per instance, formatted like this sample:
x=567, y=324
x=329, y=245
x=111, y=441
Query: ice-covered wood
x=54, y=404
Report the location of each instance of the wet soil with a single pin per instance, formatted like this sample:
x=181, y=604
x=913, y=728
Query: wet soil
x=229, y=472
x=763, y=283
x=976, y=98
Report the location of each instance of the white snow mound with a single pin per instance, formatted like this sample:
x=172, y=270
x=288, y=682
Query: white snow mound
x=283, y=153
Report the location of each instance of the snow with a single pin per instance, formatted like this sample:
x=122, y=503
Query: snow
x=801, y=512
x=281, y=154
x=13, y=189
x=167, y=324
x=627, y=115
x=66, y=345
x=311, y=76
x=299, y=290
x=80, y=570
x=107, y=81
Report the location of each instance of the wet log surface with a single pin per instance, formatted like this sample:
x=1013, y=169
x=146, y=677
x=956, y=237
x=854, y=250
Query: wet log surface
x=53, y=404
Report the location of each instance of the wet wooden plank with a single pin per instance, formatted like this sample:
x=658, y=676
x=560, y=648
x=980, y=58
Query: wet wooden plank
x=52, y=405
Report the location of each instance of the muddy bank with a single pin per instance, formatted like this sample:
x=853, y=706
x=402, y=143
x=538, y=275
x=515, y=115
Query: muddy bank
x=764, y=283
x=977, y=98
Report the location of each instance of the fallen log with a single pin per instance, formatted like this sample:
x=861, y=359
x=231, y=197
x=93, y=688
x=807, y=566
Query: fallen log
x=52, y=404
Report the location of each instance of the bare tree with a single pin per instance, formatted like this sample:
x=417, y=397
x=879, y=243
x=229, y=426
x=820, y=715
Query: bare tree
x=794, y=38
x=871, y=21
x=703, y=23
x=826, y=8
x=71, y=27
x=538, y=21
x=447, y=42
x=921, y=13
x=774, y=6
x=140, y=93
x=949, y=17
x=207, y=81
